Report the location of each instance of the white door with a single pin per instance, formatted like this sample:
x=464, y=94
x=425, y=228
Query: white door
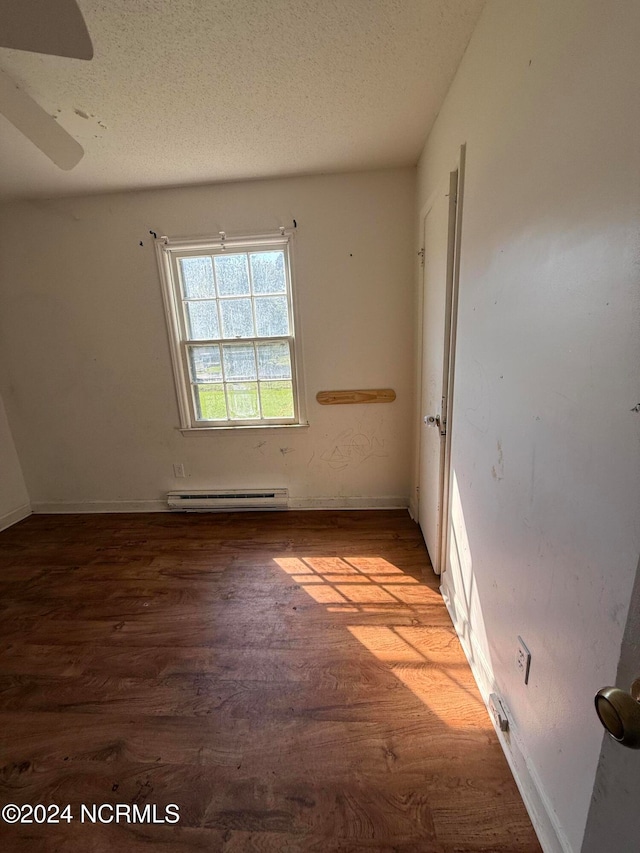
x=439, y=225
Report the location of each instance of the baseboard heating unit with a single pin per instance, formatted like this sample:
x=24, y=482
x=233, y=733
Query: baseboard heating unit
x=204, y=500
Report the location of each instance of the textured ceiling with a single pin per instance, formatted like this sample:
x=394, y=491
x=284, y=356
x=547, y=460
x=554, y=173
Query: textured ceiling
x=199, y=91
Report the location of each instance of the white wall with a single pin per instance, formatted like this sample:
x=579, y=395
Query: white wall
x=83, y=337
x=545, y=442
x=14, y=500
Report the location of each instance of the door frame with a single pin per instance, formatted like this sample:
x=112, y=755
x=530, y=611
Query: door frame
x=456, y=183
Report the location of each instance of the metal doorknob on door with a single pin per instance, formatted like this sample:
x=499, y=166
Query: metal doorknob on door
x=432, y=420
x=619, y=713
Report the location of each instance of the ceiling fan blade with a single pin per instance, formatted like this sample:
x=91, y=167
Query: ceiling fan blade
x=37, y=125
x=45, y=26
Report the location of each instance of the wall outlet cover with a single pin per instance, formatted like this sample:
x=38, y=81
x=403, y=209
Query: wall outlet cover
x=523, y=660
x=498, y=712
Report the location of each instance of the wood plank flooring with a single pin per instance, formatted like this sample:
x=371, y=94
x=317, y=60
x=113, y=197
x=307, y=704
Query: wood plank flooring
x=290, y=680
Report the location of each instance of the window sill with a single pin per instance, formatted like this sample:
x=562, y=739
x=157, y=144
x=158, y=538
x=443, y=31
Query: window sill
x=196, y=430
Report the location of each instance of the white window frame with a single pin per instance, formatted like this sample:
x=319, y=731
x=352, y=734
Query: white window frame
x=169, y=251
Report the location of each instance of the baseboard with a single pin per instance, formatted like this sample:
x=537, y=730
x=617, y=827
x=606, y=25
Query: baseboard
x=99, y=507
x=14, y=516
x=413, y=510
x=550, y=834
x=385, y=502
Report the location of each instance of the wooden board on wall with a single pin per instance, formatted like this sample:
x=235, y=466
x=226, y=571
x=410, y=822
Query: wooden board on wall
x=372, y=395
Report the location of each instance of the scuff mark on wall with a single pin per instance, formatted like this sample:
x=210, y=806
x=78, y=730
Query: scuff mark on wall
x=285, y=450
x=476, y=410
x=497, y=470
x=532, y=488
x=259, y=447
x=353, y=447
x=636, y=408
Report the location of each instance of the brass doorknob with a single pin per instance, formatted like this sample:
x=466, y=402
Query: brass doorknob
x=619, y=713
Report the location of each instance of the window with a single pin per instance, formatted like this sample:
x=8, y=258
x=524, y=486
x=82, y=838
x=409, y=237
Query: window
x=232, y=331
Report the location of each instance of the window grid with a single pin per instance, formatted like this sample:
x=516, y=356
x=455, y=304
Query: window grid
x=253, y=312
x=224, y=383
x=220, y=297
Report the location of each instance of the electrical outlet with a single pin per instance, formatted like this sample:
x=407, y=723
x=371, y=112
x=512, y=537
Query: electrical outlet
x=523, y=660
x=178, y=470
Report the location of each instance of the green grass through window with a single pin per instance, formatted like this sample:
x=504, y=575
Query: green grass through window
x=276, y=398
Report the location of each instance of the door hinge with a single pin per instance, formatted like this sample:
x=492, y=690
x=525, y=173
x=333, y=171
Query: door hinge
x=421, y=254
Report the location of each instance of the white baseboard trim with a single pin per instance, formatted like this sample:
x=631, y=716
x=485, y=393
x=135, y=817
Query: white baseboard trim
x=61, y=507
x=14, y=516
x=550, y=834
x=385, y=502
x=413, y=510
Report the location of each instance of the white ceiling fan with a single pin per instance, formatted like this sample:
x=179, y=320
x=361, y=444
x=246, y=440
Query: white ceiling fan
x=54, y=27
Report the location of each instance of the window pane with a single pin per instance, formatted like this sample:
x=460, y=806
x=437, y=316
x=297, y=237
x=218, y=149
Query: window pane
x=205, y=364
x=272, y=318
x=237, y=319
x=274, y=361
x=232, y=275
x=203, y=321
x=239, y=362
x=243, y=400
x=276, y=399
x=210, y=402
x=197, y=278
x=267, y=270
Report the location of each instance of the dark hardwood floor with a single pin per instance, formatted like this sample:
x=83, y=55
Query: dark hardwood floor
x=290, y=680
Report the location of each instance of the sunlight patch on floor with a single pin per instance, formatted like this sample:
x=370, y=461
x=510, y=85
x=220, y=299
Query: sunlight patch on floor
x=427, y=659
